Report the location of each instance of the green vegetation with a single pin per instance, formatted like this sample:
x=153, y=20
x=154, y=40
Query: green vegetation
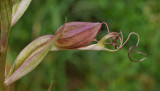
x=91, y=70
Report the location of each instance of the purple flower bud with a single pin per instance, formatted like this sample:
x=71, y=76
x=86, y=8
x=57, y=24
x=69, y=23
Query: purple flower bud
x=77, y=34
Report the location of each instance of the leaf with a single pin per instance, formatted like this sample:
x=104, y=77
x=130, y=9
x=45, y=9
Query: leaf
x=31, y=56
x=19, y=7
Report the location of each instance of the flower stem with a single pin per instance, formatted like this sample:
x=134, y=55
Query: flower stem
x=5, y=20
x=2, y=69
x=3, y=54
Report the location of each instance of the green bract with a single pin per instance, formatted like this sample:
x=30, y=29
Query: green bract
x=31, y=56
x=19, y=7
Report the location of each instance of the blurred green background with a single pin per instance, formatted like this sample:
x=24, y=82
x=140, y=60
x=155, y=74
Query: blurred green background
x=91, y=70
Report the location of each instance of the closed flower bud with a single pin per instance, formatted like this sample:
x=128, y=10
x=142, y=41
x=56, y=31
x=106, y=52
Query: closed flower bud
x=77, y=34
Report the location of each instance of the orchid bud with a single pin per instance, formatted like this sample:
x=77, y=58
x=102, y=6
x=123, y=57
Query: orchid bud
x=77, y=34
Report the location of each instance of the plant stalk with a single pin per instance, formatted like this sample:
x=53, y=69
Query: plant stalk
x=3, y=54
x=2, y=62
x=5, y=19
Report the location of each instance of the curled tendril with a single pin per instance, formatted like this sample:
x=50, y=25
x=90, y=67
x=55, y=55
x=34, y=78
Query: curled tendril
x=113, y=42
x=131, y=49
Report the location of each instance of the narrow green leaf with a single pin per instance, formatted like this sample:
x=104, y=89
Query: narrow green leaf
x=31, y=56
x=19, y=7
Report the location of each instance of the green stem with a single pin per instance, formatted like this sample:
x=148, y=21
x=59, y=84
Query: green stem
x=2, y=62
x=2, y=68
x=3, y=55
x=5, y=20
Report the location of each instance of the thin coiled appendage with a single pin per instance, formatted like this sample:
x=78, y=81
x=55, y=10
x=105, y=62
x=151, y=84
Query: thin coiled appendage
x=114, y=43
x=131, y=48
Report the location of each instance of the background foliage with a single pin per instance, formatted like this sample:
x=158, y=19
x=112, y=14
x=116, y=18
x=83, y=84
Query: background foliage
x=91, y=70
